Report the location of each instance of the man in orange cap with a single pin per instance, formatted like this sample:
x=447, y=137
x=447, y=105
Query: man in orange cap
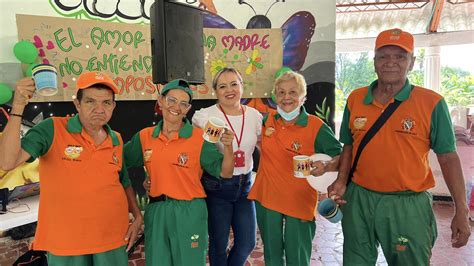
x=85, y=190
x=384, y=185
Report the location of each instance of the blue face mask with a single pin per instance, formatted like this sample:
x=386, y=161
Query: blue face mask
x=290, y=115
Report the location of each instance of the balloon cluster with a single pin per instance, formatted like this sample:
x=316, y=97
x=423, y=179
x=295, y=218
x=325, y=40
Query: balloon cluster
x=26, y=53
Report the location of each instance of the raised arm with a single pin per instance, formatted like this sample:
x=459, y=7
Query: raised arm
x=11, y=153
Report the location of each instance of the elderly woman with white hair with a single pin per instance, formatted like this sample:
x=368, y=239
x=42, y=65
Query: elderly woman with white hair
x=285, y=204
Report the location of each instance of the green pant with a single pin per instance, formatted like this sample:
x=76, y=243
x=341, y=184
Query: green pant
x=115, y=257
x=403, y=223
x=284, y=237
x=176, y=233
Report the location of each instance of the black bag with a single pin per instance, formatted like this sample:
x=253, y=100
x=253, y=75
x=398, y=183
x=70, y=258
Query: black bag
x=32, y=258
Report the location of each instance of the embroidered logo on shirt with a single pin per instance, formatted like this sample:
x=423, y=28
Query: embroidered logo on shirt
x=359, y=122
x=115, y=158
x=182, y=159
x=402, y=244
x=269, y=131
x=408, y=124
x=147, y=154
x=73, y=151
x=194, y=241
x=296, y=146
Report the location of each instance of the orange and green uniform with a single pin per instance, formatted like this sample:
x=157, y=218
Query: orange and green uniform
x=83, y=206
x=387, y=198
x=281, y=196
x=175, y=227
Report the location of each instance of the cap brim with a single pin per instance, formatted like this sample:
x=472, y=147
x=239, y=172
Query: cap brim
x=395, y=44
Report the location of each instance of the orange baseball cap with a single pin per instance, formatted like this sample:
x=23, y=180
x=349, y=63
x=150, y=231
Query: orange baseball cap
x=88, y=79
x=395, y=37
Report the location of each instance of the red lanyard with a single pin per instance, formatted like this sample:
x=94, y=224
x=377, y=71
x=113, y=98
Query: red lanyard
x=239, y=140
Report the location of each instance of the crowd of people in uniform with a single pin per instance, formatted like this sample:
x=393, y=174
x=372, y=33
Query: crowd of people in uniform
x=199, y=190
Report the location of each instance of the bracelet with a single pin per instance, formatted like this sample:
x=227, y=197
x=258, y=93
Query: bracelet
x=21, y=116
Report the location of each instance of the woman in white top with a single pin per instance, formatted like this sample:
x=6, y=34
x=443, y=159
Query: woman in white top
x=227, y=201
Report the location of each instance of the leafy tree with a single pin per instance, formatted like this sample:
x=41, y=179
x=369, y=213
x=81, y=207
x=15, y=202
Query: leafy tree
x=352, y=71
x=457, y=86
x=357, y=70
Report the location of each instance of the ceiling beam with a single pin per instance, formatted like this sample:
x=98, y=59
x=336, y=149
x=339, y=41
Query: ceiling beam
x=436, y=15
x=421, y=40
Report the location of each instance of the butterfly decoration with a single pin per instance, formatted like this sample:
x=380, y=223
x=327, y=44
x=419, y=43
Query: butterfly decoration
x=295, y=34
x=254, y=63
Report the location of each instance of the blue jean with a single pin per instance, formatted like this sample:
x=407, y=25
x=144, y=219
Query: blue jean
x=227, y=206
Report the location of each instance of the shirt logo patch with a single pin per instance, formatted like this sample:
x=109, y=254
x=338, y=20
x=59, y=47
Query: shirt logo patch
x=73, y=151
x=296, y=146
x=360, y=122
x=269, y=131
x=147, y=154
x=408, y=124
x=194, y=241
x=182, y=159
x=115, y=158
x=402, y=244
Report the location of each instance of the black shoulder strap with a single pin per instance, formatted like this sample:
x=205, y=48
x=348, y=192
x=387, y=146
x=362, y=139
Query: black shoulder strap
x=372, y=131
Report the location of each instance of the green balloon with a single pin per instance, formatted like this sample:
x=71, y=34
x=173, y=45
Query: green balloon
x=30, y=69
x=25, y=51
x=6, y=93
x=282, y=71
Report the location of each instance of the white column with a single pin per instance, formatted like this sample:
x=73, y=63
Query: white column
x=432, y=68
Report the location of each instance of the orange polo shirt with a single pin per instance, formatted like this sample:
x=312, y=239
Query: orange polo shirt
x=174, y=165
x=396, y=158
x=275, y=186
x=83, y=207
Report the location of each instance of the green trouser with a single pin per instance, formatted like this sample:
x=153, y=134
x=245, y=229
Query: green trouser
x=115, y=257
x=403, y=223
x=176, y=233
x=284, y=237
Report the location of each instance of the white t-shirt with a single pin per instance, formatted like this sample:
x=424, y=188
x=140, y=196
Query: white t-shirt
x=252, y=130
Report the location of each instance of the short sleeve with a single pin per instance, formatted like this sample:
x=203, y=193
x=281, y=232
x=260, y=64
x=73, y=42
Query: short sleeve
x=345, y=135
x=326, y=142
x=200, y=118
x=133, y=156
x=211, y=159
x=442, y=139
x=38, y=139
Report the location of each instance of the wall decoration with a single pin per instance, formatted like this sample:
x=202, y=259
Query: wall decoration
x=123, y=51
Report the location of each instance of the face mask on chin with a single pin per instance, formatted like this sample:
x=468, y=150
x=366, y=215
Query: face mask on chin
x=288, y=116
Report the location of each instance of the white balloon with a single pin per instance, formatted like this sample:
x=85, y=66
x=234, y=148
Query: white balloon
x=321, y=183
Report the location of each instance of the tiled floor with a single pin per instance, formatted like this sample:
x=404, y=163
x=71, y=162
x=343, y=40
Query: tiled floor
x=327, y=245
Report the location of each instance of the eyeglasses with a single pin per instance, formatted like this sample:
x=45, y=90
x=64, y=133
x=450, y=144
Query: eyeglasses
x=172, y=101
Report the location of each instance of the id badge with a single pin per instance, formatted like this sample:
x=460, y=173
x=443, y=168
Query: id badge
x=239, y=158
